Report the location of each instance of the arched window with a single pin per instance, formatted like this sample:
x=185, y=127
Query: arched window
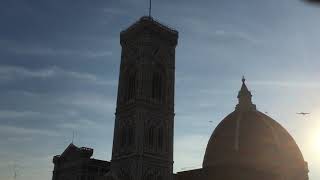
x=123, y=137
x=160, y=138
x=131, y=136
x=125, y=175
x=157, y=86
x=151, y=136
x=148, y=176
x=131, y=86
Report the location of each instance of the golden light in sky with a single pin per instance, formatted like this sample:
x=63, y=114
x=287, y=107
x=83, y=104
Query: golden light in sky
x=316, y=141
x=312, y=138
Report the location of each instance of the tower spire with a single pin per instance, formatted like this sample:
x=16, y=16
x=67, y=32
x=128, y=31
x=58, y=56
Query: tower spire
x=72, y=137
x=244, y=96
x=150, y=6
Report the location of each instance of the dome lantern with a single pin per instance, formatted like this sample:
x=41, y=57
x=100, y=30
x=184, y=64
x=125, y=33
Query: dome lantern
x=244, y=96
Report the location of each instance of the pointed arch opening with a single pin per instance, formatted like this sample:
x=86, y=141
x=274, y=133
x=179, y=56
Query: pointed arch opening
x=131, y=85
x=151, y=136
x=131, y=136
x=157, y=86
x=123, y=136
x=160, y=138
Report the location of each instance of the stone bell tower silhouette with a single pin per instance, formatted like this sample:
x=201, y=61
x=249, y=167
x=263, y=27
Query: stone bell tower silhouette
x=144, y=118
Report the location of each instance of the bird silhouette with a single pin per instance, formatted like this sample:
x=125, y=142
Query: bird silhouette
x=303, y=113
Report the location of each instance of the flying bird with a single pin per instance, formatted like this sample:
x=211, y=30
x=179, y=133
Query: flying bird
x=210, y=121
x=303, y=113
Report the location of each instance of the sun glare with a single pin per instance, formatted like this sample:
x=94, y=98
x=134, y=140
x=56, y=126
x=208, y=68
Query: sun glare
x=317, y=141
x=315, y=132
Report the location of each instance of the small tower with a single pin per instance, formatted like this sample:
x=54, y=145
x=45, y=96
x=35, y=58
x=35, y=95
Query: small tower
x=144, y=122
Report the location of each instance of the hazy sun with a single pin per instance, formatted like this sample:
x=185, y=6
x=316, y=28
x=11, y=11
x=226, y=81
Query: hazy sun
x=317, y=141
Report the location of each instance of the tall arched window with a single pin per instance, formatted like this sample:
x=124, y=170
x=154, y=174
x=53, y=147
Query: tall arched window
x=131, y=86
x=123, y=136
x=157, y=86
x=131, y=136
x=125, y=175
x=151, y=136
x=148, y=176
x=160, y=138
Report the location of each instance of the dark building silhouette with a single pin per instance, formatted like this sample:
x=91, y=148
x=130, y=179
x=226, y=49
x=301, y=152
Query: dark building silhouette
x=143, y=133
x=246, y=145
x=76, y=164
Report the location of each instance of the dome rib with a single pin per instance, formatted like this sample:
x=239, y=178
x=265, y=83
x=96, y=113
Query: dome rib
x=237, y=136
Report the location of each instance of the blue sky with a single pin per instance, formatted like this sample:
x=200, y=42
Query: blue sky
x=59, y=66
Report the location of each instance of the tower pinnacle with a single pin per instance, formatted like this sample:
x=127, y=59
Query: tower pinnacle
x=244, y=96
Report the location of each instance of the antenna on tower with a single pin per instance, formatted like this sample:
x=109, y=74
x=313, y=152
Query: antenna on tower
x=150, y=5
x=15, y=173
x=72, y=137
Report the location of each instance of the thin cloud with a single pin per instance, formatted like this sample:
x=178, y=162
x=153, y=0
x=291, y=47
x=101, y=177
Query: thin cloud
x=14, y=72
x=225, y=33
x=94, y=102
x=79, y=124
x=19, y=139
x=27, y=131
x=8, y=114
x=54, y=52
x=29, y=49
x=114, y=11
x=236, y=35
x=288, y=84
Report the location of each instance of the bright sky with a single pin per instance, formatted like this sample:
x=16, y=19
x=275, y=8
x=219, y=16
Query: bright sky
x=59, y=66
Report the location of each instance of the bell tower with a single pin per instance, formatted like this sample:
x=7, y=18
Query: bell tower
x=144, y=118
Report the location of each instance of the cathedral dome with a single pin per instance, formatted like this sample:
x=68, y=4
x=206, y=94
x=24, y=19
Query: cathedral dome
x=251, y=139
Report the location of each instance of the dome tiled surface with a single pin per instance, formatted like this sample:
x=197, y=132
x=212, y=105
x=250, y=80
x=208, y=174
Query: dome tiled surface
x=252, y=139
